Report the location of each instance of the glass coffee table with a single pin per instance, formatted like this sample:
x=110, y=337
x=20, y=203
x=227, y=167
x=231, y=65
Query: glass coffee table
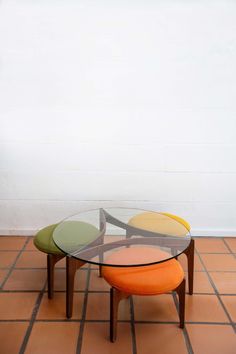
x=92, y=236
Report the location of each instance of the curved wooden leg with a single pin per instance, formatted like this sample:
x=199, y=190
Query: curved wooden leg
x=181, y=294
x=190, y=257
x=115, y=297
x=72, y=265
x=52, y=259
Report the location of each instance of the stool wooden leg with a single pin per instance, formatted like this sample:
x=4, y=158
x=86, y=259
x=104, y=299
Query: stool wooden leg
x=181, y=294
x=52, y=259
x=190, y=257
x=115, y=297
x=72, y=264
x=101, y=260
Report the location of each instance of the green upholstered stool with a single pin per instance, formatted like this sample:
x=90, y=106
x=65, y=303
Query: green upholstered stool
x=44, y=242
x=71, y=235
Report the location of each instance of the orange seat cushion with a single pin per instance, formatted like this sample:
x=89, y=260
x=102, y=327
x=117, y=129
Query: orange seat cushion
x=144, y=280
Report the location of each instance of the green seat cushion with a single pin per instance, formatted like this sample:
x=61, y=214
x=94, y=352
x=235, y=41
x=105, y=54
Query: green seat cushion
x=72, y=235
x=44, y=242
x=69, y=235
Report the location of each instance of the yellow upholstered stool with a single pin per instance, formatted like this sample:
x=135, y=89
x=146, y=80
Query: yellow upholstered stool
x=152, y=221
x=144, y=280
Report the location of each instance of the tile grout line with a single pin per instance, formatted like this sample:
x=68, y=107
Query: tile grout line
x=32, y=320
x=217, y=293
x=82, y=323
x=132, y=324
x=60, y=269
x=231, y=252
x=226, y=324
x=13, y=264
x=94, y=292
x=184, y=330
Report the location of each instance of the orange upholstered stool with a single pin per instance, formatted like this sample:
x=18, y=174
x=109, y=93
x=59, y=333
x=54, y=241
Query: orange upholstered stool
x=142, y=280
x=158, y=222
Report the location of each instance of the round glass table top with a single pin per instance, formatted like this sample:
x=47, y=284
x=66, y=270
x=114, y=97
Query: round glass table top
x=106, y=236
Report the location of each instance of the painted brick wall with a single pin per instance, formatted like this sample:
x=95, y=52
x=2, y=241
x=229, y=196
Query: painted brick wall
x=111, y=103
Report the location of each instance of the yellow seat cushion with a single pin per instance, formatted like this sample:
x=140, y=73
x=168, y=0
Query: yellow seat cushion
x=179, y=219
x=161, y=223
x=144, y=280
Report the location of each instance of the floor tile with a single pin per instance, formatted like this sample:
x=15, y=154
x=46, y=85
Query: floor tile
x=24, y=279
x=53, y=337
x=155, y=308
x=3, y=274
x=231, y=242
x=80, y=279
x=211, y=245
x=219, y=262
x=109, y=239
x=99, y=304
x=32, y=259
x=12, y=243
x=7, y=258
x=11, y=336
x=201, y=283
x=52, y=333
x=212, y=339
x=160, y=339
x=17, y=306
x=230, y=304
x=30, y=245
x=197, y=263
x=97, y=307
x=36, y=259
x=60, y=280
x=54, y=309
x=97, y=283
x=204, y=308
x=96, y=339
x=225, y=282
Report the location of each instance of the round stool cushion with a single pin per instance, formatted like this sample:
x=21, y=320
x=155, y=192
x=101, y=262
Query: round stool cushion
x=179, y=219
x=75, y=234
x=44, y=242
x=160, y=222
x=144, y=280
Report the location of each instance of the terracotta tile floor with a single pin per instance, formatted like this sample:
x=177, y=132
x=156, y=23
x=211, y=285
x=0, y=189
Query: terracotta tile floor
x=32, y=324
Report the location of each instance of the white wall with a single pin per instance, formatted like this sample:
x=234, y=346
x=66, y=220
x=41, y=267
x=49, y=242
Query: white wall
x=116, y=102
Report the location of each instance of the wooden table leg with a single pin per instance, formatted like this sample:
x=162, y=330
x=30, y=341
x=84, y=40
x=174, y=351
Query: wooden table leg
x=115, y=297
x=72, y=264
x=52, y=259
x=190, y=256
x=181, y=293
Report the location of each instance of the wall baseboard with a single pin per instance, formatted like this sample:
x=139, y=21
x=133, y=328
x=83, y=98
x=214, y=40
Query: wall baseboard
x=194, y=232
x=20, y=232
x=213, y=232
